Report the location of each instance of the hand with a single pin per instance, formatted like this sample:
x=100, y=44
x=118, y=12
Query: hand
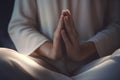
x=71, y=37
x=58, y=47
x=75, y=50
x=53, y=49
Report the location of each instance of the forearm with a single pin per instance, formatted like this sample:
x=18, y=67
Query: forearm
x=42, y=50
x=108, y=40
x=88, y=50
x=48, y=51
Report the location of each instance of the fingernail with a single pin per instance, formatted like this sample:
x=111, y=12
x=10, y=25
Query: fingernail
x=68, y=11
x=64, y=12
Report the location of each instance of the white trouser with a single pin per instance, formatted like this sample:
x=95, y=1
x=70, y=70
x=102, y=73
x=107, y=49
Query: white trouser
x=15, y=66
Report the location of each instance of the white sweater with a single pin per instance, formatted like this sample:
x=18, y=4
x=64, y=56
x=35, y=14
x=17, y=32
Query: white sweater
x=33, y=22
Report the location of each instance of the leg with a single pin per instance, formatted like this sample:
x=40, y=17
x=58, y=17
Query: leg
x=107, y=68
x=11, y=66
x=15, y=66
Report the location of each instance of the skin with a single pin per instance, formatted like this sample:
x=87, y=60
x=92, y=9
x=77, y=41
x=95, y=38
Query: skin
x=70, y=36
x=66, y=45
x=53, y=49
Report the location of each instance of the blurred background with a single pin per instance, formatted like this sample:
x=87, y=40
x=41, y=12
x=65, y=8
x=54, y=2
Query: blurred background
x=6, y=7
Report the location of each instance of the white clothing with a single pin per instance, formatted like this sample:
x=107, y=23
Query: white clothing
x=34, y=22
x=15, y=66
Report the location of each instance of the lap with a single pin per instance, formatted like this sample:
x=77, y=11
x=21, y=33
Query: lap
x=106, y=68
x=20, y=67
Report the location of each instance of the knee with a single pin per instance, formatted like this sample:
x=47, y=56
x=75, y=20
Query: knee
x=5, y=51
x=5, y=57
x=4, y=54
x=116, y=55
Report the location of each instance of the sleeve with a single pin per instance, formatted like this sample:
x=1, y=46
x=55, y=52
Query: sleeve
x=23, y=27
x=108, y=40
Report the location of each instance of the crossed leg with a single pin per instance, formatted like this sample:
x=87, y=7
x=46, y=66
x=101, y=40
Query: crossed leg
x=15, y=66
x=106, y=68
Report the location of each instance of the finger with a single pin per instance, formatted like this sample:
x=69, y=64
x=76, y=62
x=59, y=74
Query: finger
x=68, y=12
x=65, y=39
x=71, y=19
x=69, y=29
x=71, y=23
x=64, y=13
x=57, y=36
x=60, y=25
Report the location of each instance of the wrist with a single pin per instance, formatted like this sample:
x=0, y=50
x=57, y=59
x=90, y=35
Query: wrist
x=42, y=50
x=88, y=49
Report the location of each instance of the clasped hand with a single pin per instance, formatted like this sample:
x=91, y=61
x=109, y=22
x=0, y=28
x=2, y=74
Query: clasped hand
x=66, y=42
x=66, y=37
